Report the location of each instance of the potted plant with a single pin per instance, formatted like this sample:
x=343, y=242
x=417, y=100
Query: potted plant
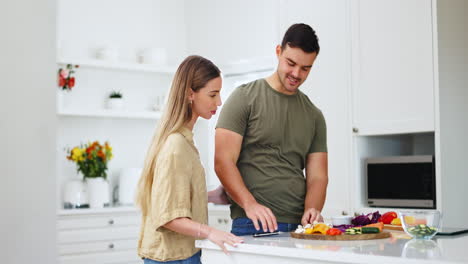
x=91, y=160
x=115, y=100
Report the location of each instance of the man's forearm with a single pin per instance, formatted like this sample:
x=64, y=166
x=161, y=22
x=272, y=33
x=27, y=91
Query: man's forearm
x=231, y=179
x=316, y=194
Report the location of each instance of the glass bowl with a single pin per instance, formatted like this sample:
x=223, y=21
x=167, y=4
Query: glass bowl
x=420, y=224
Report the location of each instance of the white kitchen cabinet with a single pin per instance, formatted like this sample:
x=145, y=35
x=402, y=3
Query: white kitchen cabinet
x=392, y=66
x=441, y=24
x=98, y=236
x=219, y=217
x=232, y=32
x=328, y=87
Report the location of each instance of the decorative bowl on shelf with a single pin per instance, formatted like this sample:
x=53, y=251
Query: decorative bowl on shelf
x=421, y=224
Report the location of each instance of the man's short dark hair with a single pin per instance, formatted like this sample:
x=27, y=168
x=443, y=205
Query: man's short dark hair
x=301, y=36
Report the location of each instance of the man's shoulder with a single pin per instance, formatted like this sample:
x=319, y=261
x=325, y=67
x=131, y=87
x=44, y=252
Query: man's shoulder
x=252, y=87
x=311, y=106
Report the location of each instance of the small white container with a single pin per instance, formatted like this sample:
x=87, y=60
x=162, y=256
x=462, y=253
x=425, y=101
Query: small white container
x=154, y=56
x=109, y=54
x=341, y=220
x=115, y=103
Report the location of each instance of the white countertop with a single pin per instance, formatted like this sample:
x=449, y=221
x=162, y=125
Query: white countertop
x=397, y=249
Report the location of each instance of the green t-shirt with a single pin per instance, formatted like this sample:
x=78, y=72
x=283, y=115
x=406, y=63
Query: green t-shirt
x=279, y=131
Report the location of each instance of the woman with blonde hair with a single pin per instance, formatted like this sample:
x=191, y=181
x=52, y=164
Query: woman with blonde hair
x=172, y=190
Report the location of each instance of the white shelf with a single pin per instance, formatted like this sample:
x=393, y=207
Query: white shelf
x=119, y=66
x=86, y=211
x=104, y=113
x=232, y=69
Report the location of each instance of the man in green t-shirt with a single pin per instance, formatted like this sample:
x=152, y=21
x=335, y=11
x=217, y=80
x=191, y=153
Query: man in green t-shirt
x=268, y=132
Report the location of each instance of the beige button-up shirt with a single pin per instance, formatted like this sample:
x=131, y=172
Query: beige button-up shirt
x=179, y=190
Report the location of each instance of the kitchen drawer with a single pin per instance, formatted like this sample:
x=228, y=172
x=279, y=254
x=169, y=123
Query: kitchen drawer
x=219, y=220
x=98, y=246
x=98, y=234
x=117, y=257
x=97, y=221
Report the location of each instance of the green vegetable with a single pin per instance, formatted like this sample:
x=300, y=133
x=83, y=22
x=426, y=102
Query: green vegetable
x=370, y=230
x=353, y=231
x=421, y=230
x=362, y=230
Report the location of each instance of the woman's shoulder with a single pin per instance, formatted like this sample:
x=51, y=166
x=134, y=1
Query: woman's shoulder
x=175, y=144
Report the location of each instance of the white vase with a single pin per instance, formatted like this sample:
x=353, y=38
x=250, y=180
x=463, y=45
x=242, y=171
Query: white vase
x=98, y=192
x=115, y=103
x=64, y=99
x=75, y=195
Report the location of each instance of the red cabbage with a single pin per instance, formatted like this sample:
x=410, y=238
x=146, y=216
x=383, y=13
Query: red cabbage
x=362, y=220
x=343, y=228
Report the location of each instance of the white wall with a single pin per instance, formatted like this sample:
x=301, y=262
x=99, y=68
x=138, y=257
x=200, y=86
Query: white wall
x=27, y=132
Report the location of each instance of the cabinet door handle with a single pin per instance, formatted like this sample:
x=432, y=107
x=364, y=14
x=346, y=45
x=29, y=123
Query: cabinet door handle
x=344, y=213
x=111, y=222
x=226, y=221
x=355, y=130
x=220, y=220
x=111, y=246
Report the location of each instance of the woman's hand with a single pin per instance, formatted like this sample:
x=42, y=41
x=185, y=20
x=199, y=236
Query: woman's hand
x=220, y=238
x=218, y=196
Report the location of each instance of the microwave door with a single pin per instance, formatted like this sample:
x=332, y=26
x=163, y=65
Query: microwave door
x=403, y=185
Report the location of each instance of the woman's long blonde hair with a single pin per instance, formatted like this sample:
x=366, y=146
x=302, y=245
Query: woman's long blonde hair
x=193, y=74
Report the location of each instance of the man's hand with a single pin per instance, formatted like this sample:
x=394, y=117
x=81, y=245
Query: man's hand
x=311, y=215
x=257, y=212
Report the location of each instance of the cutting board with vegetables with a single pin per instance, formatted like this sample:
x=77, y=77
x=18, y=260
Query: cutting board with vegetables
x=393, y=227
x=342, y=237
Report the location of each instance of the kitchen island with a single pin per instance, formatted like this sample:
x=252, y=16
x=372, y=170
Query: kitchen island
x=283, y=249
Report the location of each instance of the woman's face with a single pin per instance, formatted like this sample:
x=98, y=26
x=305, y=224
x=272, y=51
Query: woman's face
x=205, y=101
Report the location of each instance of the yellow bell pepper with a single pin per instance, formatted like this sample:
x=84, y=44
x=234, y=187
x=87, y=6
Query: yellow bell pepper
x=320, y=228
x=396, y=221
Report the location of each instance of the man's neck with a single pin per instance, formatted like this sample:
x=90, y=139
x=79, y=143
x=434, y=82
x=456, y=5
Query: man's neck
x=275, y=83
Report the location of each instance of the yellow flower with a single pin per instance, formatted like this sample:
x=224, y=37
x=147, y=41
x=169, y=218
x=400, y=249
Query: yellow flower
x=77, y=154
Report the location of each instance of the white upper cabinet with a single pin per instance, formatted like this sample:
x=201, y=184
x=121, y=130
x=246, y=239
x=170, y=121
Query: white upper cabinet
x=233, y=34
x=393, y=85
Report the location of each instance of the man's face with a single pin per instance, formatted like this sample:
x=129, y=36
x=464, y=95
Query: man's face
x=293, y=67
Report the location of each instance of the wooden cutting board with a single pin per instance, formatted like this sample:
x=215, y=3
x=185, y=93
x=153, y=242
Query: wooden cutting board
x=341, y=237
x=393, y=227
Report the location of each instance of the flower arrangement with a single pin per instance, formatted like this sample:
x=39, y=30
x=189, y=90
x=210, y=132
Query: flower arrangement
x=65, y=79
x=91, y=159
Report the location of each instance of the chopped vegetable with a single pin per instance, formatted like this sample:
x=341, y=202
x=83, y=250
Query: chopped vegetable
x=370, y=230
x=334, y=232
x=388, y=217
x=343, y=227
x=354, y=231
x=362, y=220
x=362, y=230
x=320, y=228
x=409, y=219
x=422, y=230
x=379, y=225
x=396, y=221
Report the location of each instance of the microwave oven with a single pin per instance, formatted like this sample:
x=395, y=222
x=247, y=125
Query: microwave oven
x=401, y=182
